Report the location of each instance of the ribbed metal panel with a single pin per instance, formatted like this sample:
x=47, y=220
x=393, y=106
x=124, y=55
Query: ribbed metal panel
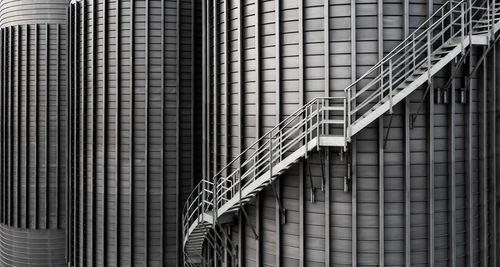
x=33, y=125
x=415, y=197
x=19, y=12
x=135, y=92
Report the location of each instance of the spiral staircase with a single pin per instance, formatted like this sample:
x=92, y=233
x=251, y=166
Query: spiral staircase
x=332, y=121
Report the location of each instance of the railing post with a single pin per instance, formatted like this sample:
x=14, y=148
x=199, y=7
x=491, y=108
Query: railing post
x=390, y=84
x=270, y=157
x=429, y=55
x=462, y=28
x=381, y=81
x=306, y=129
x=414, y=56
x=349, y=114
x=318, y=123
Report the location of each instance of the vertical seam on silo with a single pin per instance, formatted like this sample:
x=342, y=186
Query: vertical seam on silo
x=146, y=134
x=2, y=78
x=94, y=129
x=131, y=137
x=407, y=154
x=494, y=157
x=204, y=87
x=47, y=107
x=118, y=136
x=353, y=142
x=258, y=122
x=483, y=166
x=67, y=194
x=58, y=44
x=27, y=118
x=468, y=160
x=18, y=125
x=452, y=172
x=381, y=188
x=277, y=33
x=326, y=54
x=227, y=87
x=11, y=130
x=240, y=100
x=301, y=103
x=36, y=128
x=215, y=84
x=431, y=180
x=105, y=132
x=177, y=126
x=162, y=149
x=81, y=127
x=84, y=191
x=74, y=129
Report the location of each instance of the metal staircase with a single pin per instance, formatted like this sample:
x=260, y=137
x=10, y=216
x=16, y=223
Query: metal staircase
x=332, y=121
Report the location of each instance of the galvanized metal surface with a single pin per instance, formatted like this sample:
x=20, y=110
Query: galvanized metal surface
x=20, y=12
x=33, y=119
x=135, y=129
x=412, y=202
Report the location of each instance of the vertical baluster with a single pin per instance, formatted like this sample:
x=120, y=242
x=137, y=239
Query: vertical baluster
x=390, y=85
x=349, y=114
x=317, y=123
x=462, y=28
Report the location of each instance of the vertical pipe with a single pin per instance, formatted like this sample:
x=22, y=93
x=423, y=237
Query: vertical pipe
x=301, y=165
x=493, y=157
x=10, y=91
x=73, y=134
x=227, y=85
x=204, y=30
x=2, y=60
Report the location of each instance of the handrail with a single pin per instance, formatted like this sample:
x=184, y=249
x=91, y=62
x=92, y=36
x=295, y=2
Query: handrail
x=417, y=51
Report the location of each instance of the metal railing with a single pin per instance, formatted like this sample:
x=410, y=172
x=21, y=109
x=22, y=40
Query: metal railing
x=321, y=116
x=418, y=51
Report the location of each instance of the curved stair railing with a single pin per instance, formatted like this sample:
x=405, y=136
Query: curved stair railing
x=332, y=121
x=319, y=121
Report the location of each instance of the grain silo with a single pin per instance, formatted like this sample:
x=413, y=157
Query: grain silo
x=134, y=137
x=33, y=132
x=347, y=133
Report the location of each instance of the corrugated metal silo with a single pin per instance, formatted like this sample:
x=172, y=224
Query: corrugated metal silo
x=134, y=93
x=416, y=179
x=33, y=125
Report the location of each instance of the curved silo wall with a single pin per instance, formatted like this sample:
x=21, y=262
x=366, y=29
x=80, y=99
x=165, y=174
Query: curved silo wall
x=415, y=197
x=19, y=12
x=33, y=126
x=134, y=129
